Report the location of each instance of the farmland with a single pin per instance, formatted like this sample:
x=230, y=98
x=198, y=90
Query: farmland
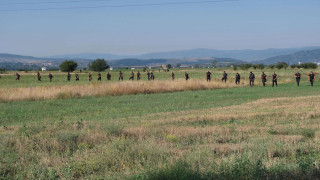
x=213, y=131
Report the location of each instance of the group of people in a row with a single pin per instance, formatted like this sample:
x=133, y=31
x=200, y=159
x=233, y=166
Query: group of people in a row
x=150, y=76
x=264, y=78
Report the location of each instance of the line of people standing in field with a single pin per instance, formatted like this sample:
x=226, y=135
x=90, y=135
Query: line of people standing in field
x=150, y=76
x=264, y=78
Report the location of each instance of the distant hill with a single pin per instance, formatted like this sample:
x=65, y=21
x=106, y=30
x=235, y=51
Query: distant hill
x=295, y=58
x=245, y=55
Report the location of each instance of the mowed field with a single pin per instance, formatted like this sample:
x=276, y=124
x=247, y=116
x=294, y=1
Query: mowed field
x=205, y=130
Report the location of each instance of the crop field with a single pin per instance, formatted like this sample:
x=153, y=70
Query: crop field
x=160, y=129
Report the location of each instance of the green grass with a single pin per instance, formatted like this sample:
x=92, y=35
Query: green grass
x=180, y=135
x=109, y=108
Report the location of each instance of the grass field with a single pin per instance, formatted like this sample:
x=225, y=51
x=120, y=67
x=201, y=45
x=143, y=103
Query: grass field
x=227, y=132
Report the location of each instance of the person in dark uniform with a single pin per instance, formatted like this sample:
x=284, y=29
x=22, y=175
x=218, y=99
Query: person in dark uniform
x=224, y=76
x=252, y=77
x=50, y=77
x=208, y=76
x=68, y=76
x=131, y=76
x=186, y=75
x=298, y=76
x=138, y=76
x=237, y=77
x=90, y=77
x=77, y=77
x=148, y=75
x=38, y=76
x=311, y=78
x=17, y=76
x=172, y=76
x=120, y=76
x=264, y=78
x=151, y=76
x=99, y=76
x=108, y=76
x=274, y=79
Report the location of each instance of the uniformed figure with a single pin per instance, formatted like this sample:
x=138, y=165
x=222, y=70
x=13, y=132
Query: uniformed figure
x=264, y=78
x=39, y=76
x=252, y=77
x=224, y=76
x=209, y=76
x=99, y=76
x=17, y=76
x=50, y=76
x=90, y=77
x=108, y=76
x=148, y=75
x=274, y=79
x=120, y=76
x=138, y=76
x=131, y=76
x=298, y=76
x=186, y=75
x=77, y=77
x=311, y=78
x=172, y=76
x=237, y=77
x=68, y=76
x=151, y=76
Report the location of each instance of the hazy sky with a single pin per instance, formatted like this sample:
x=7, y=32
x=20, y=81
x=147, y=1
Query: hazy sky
x=244, y=24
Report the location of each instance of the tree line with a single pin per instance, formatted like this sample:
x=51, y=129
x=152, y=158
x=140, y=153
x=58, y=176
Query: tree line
x=279, y=65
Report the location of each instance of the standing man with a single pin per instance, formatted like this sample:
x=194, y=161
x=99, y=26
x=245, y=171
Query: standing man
x=274, y=79
x=237, y=77
x=17, y=76
x=90, y=77
x=148, y=75
x=138, y=76
x=252, y=77
x=39, y=76
x=99, y=76
x=77, y=77
x=298, y=76
x=108, y=76
x=311, y=78
x=264, y=78
x=151, y=76
x=224, y=76
x=186, y=75
x=208, y=76
x=68, y=76
x=131, y=76
x=120, y=76
x=172, y=76
x=50, y=77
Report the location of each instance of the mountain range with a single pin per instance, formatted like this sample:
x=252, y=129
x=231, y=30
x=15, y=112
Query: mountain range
x=202, y=57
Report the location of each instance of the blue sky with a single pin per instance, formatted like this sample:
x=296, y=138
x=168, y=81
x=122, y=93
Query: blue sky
x=242, y=24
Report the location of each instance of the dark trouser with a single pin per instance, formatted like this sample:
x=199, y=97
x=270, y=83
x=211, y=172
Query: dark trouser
x=298, y=81
x=99, y=78
x=39, y=78
x=224, y=79
x=237, y=81
x=120, y=78
x=208, y=79
x=131, y=78
x=274, y=82
x=251, y=82
x=50, y=79
x=311, y=81
x=264, y=82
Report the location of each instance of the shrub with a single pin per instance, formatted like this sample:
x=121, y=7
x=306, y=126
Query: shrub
x=98, y=65
x=68, y=66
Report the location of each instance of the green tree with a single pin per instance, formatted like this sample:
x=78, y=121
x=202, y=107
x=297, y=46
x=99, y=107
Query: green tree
x=281, y=65
x=271, y=66
x=98, y=65
x=68, y=66
x=169, y=66
x=245, y=66
x=260, y=66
